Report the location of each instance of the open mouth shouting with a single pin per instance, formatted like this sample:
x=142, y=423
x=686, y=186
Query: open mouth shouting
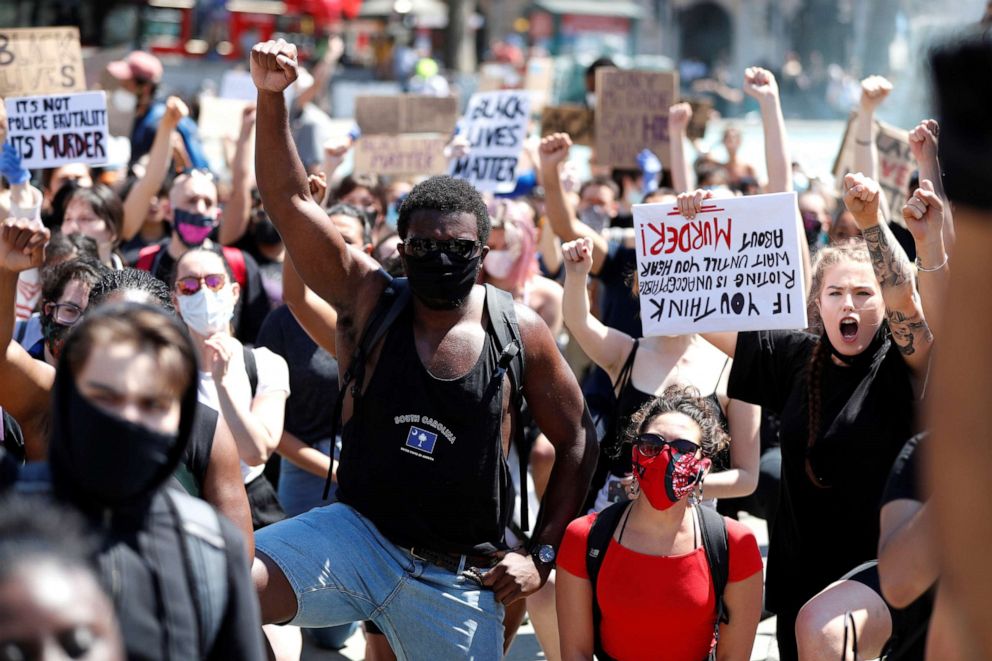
x=849, y=329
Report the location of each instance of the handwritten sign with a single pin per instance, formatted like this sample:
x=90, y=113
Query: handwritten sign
x=495, y=125
x=895, y=164
x=406, y=113
x=220, y=118
x=401, y=155
x=49, y=131
x=577, y=121
x=632, y=114
x=735, y=266
x=40, y=61
x=702, y=109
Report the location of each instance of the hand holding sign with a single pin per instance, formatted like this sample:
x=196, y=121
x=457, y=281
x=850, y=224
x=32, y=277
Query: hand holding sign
x=578, y=257
x=679, y=117
x=760, y=84
x=691, y=203
x=22, y=244
x=274, y=65
x=175, y=110
x=874, y=90
x=554, y=150
x=924, y=214
x=861, y=199
x=923, y=141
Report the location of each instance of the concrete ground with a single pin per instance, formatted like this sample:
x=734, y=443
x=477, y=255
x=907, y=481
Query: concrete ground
x=526, y=648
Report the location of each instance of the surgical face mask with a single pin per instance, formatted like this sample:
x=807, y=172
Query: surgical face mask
x=193, y=228
x=123, y=101
x=440, y=280
x=596, y=217
x=499, y=263
x=207, y=312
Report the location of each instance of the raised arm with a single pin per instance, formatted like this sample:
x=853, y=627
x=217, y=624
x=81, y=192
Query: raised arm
x=893, y=271
x=346, y=279
x=314, y=314
x=874, y=90
x=925, y=218
x=679, y=117
x=607, y=347
x=139, y=198
x=553, y=153
x=923, y=144
x=760, y=84
x=234, y=220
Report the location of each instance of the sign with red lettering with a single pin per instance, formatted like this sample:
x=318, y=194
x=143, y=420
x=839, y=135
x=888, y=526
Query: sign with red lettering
x=49, y=131
x=495, y=125
x=735, y=266
x=632, y=114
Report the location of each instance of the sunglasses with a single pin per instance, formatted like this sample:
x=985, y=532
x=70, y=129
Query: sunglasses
x=65, y=314
x=417, y=247
x=651, y=445
x=191, y=284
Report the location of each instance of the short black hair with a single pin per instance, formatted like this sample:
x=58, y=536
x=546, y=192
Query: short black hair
x=34, y=529
x=63, y=247
x=599, y=63
x=449, y=196
x=130, y=279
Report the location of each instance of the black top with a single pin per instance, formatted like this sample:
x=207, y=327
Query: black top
x=867, y=412
x=620, y=308
x=196, y=456
x=904, y=478
x=422, y=458
x=313, y=376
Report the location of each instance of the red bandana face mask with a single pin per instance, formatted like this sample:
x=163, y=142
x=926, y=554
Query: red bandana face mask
x=668, y=477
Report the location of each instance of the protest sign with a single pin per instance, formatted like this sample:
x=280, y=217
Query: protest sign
x=895, y=164
x=401, y=155
x=579, y=122
x=632, y=114
x=735, y=266
x=702, y=109
x=220, y=118
x=49, y=131
x=36, y=61
x=539, y=80
x=238, y=85
x=406, y=113
x=495, y=125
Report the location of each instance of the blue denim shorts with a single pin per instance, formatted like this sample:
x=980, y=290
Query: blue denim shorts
x=343, y=570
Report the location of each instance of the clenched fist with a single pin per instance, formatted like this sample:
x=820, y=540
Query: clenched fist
x=274, y=65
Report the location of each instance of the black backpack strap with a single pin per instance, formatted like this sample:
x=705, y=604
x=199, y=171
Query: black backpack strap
x=714, y=534
x=251, y=367
x=598, y=542
x=506, y=328
x=391, y=303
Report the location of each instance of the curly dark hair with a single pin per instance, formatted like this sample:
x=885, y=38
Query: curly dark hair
x=133, y=280
x=449, y=196
x=687, y=401
x=32, y=530
x=54, y=280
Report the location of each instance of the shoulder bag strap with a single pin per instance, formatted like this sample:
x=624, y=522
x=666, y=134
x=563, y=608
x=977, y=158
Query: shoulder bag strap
x=598, y=542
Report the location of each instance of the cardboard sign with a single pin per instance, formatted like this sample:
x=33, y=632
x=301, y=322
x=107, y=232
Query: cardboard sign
x=632, y=114
x=735, y=266
x=37, y=61
x=220, y=118
x=49, y=131
x=539, y=80
x=401, y=155
x=406, y=113
x=495, y=125
x=702, y=109
x=577, y=121
x=895, y=164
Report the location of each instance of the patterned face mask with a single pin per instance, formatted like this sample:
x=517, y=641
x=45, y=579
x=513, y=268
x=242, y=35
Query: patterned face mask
x=669, y=476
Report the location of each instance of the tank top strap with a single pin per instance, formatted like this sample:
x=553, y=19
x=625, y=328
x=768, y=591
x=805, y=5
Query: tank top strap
x=623, y=379
x=716, y=386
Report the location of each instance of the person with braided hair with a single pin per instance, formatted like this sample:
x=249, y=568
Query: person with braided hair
x=847, y=398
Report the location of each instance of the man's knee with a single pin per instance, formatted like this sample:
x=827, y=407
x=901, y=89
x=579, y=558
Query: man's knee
x=275, y=594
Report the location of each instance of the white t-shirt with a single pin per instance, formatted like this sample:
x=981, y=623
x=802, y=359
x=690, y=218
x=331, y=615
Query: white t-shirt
x=273, y=376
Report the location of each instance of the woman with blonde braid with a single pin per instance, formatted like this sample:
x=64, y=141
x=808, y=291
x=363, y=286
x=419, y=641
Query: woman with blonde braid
x=846, y=399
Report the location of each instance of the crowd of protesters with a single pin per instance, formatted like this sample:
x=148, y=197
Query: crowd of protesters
x=302, y=401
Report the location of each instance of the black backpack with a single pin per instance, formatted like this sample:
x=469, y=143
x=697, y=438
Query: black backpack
x=714, y=534
x=503, y=321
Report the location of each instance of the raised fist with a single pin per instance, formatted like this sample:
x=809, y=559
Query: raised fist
x=175, y=110
x=861, y=197
x=274, y=65
x=679, y=117
x=22, y=244
x=874, y=90
x=760, y=84
x=924, y=214
x=554, y=149
x=577, y=256
x=923, y=140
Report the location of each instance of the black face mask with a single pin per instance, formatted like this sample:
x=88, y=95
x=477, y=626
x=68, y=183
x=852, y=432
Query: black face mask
x=442, y=281
x=265, y=233
x=113, y=461
x=53, y=334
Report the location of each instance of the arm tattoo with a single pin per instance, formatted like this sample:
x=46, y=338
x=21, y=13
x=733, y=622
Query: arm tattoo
x=907, y=330
x=892, y=267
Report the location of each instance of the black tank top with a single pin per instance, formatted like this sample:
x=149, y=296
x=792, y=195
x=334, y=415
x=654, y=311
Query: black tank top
x=422, y=458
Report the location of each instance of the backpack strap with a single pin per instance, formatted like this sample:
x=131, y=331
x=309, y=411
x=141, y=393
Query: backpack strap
x=392, y=302
x=236, y=260
x=205, y=556
x=251, y=367
x=506, y=328
x=714, y=534
x=598, y=542
x=146, y=257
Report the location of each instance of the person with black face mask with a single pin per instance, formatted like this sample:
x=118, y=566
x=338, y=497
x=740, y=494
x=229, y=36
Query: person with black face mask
x=124, y=400
x=422, y=484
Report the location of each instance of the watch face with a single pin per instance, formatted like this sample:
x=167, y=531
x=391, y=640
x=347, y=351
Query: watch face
x=546, y=554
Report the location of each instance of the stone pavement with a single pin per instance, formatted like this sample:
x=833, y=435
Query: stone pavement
x=526, y=648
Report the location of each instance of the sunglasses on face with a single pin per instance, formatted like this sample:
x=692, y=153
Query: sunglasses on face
x=191, y=284
x=65, y=314
x=651, y=445
x=417, y=247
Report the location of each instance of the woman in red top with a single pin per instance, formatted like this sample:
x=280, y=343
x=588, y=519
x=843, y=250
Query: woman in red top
x=654, y=589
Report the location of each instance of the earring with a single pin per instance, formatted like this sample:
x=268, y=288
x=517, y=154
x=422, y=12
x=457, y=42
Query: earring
x=633, y=489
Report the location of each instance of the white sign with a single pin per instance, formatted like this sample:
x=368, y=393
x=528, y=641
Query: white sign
x=495, y=125
x=736, y=266
x=238, y=85
x=49, y=131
